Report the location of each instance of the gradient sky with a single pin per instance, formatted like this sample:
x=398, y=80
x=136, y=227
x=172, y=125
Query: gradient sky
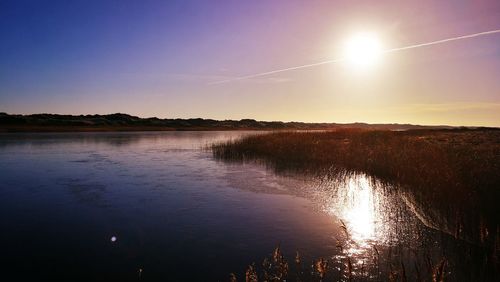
x=157, y=58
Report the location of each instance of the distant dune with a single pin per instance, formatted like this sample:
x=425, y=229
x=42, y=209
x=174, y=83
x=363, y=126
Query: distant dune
x=125, y=122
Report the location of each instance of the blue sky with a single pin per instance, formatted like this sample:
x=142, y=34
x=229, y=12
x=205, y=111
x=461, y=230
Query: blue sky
x=157, y=58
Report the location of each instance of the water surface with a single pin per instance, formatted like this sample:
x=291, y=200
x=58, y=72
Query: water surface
x=177, y=214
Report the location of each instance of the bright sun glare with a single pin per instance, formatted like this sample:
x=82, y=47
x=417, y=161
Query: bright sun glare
x=363, y=50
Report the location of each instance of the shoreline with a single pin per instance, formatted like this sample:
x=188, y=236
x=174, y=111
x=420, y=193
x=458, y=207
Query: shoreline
x=124, y=122
x=81, y=129
x=76, y=129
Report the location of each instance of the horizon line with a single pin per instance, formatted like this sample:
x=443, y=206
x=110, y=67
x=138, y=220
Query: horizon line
x=281, y=121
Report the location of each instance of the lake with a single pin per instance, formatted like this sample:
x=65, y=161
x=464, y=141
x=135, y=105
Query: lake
x=157, y=206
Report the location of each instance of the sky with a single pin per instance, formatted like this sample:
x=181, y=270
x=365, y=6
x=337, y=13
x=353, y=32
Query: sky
x=160, y=58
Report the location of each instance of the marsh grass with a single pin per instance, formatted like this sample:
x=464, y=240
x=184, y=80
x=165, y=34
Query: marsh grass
x=450, y=168
x=276, y=268
x=456, y=172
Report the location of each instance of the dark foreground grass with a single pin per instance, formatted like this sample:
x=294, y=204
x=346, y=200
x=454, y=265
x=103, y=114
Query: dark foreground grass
x=456, y=172
x=277, y=267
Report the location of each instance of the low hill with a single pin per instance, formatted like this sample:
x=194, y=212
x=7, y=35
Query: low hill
x=125, y=122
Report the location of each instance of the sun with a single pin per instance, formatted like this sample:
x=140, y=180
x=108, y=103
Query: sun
x=363, y=50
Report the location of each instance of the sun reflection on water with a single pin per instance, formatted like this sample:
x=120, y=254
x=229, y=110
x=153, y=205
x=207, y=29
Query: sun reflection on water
x=359, y=211
x=356, y=203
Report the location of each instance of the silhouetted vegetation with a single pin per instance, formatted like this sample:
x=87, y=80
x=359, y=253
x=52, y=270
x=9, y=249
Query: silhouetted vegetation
x=278, y=268
x=454, y=172
x=124, y=122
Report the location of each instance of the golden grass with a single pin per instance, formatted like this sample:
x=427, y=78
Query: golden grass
x=452, y=167
x=454, y=171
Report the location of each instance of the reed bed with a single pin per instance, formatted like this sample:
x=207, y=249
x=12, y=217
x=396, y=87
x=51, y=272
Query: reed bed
x=454, y=171
x=449, y=166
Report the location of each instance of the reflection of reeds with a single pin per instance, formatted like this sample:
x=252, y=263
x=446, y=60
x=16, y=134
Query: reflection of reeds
x=455, y=171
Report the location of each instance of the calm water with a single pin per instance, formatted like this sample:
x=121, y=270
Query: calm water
x=177, y=214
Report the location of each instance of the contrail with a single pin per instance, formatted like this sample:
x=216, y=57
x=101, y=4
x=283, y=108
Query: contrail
x=443, y=40
x=343, y=59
